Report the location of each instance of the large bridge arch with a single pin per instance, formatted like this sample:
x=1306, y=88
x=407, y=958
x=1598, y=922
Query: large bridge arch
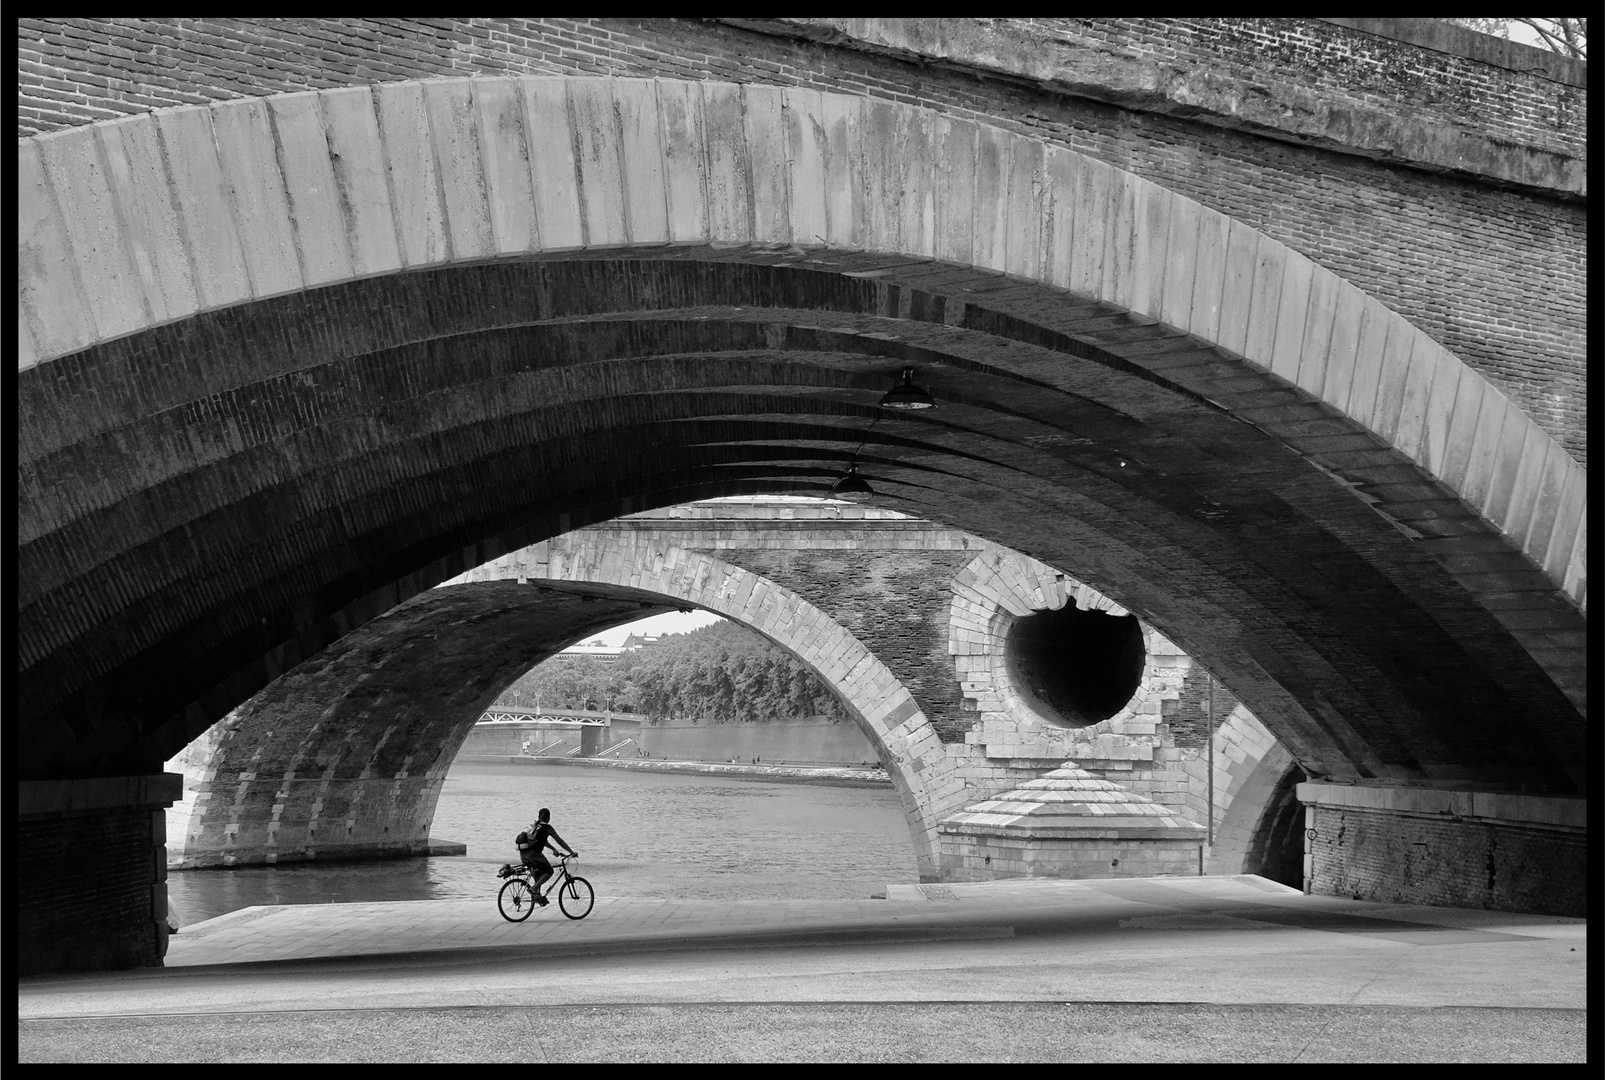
x=344, y=756
x=134, y=223
x=306, y=197
x=286, y=362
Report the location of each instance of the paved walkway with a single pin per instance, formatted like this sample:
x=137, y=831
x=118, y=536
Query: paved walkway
x=1269, y=973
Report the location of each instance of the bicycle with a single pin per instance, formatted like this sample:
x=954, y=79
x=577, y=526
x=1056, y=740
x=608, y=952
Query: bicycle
x=517, y=897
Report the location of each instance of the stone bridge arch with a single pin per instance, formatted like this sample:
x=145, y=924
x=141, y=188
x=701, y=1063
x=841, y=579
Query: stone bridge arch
x=133, y=223
x=189, y=221
x=345, y=756
x=928, y=785
x=999, y=587
x=287, y=362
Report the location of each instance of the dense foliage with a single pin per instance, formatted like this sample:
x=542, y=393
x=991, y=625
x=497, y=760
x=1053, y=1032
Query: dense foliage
x=721, y=673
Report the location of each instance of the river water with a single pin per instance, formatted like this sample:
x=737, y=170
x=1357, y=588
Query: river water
x=640, y=834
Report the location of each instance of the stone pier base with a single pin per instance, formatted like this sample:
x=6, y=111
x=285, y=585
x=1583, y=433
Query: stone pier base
x=1505, y=852
x=91, y=872
x=978, y=855
x=1068, y=824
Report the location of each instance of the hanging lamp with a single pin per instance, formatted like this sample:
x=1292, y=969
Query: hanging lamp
x=850, y=483
x=905, y=395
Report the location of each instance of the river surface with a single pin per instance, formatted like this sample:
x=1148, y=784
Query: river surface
x=642, y=834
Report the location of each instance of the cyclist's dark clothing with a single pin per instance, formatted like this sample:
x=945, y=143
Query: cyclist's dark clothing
x=541, y=834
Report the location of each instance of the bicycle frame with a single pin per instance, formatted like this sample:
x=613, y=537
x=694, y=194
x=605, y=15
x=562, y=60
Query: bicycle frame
x=574, y=894
x=560, y=875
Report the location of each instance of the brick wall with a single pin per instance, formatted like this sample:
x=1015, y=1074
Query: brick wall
x=104, y=915
x=1510, y=303
x=896, y=603
x=1343, y=64
x=76, y=70
x=1408, y=859
x=1189, y=716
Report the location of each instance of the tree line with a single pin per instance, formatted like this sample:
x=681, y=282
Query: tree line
x=721, y=673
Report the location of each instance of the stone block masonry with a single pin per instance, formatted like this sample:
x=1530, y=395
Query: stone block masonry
x=896, y=603
x=1069, y=824
x=1349, y=143
x=982, y=857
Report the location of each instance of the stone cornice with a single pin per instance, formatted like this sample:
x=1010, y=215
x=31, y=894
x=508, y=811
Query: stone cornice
x=998, y=48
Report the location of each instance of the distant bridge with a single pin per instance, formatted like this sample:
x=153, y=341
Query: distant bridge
x=503, y=714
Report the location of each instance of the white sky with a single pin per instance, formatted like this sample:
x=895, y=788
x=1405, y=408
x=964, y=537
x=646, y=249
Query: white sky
x=1525, y=35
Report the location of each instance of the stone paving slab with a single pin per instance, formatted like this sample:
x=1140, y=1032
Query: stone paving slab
x=928, y=912
x=310, y=931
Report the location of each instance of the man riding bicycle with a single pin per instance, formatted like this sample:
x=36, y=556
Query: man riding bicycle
x=538, y=837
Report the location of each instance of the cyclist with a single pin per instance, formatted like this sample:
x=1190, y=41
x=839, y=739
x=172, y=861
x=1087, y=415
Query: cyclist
x=540, y=836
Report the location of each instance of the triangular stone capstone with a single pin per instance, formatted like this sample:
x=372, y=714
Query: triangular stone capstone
x=1071, y=802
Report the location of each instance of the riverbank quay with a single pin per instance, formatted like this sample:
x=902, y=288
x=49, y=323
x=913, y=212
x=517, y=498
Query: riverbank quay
x=807, y=774
x=1157, y=969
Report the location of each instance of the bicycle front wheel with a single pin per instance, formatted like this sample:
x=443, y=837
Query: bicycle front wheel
x=516, y=900
x=576, y=898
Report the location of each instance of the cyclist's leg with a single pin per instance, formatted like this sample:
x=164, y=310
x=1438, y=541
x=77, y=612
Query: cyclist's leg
x=534, y=869
x=541, y=872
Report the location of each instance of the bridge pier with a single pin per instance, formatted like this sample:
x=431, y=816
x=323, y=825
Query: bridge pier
x=111, y=913
x=1508, y=852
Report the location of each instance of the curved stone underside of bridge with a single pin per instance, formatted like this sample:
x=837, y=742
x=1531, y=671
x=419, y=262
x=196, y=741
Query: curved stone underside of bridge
x=345, y=755
x=289, y=362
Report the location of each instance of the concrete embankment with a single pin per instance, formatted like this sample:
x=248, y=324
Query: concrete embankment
x=807, y=774
x=814, y=740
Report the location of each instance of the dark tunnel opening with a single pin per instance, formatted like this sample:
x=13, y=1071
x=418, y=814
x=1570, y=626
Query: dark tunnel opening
x=1078, y=667
x=1279, y=845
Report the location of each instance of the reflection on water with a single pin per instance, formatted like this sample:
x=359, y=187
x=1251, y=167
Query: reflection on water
x=638, y=834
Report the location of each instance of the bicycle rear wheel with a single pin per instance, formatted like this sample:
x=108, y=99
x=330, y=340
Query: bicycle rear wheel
x=576, y=898
x=516, y=900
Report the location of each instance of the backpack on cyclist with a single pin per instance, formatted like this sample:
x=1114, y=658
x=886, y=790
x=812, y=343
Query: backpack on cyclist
x=522, y=840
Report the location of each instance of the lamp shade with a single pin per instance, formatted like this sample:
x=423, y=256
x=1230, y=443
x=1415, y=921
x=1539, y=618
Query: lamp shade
x=905, y=395
x=851, y=483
